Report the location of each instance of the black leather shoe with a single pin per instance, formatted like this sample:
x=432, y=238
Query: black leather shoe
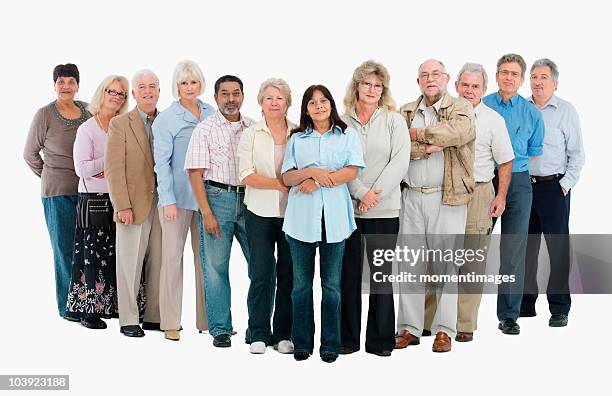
x=132, y=331
x=426, y=333
x=329, y=358
x=380, y=353
x=93, y=323
x=150, y=326
x=509, y=326
x=222, y=341
x=299, y=356
x=557, y=320
x=347, y=350
x=71, y=318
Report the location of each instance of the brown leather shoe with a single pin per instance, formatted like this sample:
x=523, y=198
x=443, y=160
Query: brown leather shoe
x=404, y=338
x=442, y=343
x=464, y=336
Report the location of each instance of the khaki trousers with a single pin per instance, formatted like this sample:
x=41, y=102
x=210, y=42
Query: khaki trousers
x=478, y=233
x=426, y=218
x=138, y=245
x=174, y=234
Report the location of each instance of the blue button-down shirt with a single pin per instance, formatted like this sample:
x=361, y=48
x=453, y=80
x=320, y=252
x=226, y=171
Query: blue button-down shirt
x=172, y=131
x=563, y=150
x=525, y=127
x=332, y=150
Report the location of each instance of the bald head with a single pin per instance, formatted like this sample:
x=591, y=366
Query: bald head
x=432, y=80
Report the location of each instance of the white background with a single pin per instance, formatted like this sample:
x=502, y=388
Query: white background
x=303, y=42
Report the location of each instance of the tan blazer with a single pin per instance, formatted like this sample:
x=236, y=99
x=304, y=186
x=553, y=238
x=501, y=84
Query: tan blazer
x=128, y=166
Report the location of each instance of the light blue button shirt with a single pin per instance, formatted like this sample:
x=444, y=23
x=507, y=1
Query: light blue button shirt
x=563, y=149
x=331, y=150
x=525, y=127
x=172, y=130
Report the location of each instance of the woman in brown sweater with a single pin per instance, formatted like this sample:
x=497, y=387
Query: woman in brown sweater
x=53, y=131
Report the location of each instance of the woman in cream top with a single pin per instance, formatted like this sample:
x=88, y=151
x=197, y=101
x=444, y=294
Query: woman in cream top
x=261, y=153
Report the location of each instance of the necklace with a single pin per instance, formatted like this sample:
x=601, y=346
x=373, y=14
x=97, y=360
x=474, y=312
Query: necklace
x=100, y=123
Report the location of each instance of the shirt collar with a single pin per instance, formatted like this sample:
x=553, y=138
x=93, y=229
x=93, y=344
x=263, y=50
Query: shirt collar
x=423, y=106
x=309, y=130
x=553, y=101
x=512, y=102
x=222, y=120
x=144, y=116
x=261, y=126
x=353, y=114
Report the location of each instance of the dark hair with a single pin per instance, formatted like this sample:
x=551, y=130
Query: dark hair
x=228, y=78
x=305, y=120
x=67, y=70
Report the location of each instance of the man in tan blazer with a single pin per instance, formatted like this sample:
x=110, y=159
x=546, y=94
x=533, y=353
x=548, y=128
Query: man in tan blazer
x=128, y=167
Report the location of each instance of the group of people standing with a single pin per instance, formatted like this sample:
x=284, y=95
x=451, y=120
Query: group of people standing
x=122, y=189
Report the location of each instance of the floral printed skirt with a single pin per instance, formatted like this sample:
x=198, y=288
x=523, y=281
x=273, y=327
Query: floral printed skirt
x=93, y=286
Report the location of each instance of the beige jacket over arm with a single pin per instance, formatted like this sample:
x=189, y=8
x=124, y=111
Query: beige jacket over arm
x=455, y=131
x=128, y=166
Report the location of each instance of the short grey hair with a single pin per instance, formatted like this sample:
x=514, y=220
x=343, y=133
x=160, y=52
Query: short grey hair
x=435, y=60
x=141, y=73
x=474, y=68
x=277, y=83
x=184, y=71
x=545, y=62
x=512, y=58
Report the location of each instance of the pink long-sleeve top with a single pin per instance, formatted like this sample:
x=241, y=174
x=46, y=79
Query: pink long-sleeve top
x=89, y=156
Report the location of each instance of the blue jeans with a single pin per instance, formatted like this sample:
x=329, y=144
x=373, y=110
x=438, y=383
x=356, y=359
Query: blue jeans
x=513, y=244
x=302, y=331
x=229, y=210
x=60, y=216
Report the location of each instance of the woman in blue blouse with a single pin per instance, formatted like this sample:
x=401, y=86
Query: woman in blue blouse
x=177, y=206
x=322, y=156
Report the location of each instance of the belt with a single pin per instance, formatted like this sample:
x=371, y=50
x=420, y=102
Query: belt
x=425, y=190
x=538, y=179
x=227, y=187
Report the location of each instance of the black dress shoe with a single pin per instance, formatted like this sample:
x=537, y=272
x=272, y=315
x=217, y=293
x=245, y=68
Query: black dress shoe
x=557, y=320
x=132, y=331
x=150, y=326
x=380, y=353
x=299, y=356
x=509, y=326
x=426, y=333
x=222, y=341
x=347, y=350
x=93, y=323
x=329, y=357
x=71, y=318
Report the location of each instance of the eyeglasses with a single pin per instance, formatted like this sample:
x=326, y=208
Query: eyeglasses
x=435, y=75
x=368, y=86
x=506, y=73
x=112, y=92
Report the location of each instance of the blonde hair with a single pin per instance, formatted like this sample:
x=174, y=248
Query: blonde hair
x=277, y=83
x=98, y=96
x=361, y=73
x=184, y=71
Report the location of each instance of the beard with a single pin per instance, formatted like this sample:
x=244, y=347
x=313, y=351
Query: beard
x=229, y=112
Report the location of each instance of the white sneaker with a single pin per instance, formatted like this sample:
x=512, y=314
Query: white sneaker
x=285, y=346
x=258, y=347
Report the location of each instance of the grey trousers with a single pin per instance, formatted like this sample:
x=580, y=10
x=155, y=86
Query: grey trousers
x=427, y=220
x=174, y=235
x=138, y=245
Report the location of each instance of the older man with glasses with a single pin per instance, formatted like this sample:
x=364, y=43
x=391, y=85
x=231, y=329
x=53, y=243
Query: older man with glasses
x=526, y=130
x=435, y=193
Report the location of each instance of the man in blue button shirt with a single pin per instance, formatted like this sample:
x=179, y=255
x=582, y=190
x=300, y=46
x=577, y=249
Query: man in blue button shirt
x=552, y=175
x=526, y=129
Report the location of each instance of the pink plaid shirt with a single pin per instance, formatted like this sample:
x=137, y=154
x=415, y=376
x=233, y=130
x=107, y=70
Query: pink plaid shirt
x=213, y=147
